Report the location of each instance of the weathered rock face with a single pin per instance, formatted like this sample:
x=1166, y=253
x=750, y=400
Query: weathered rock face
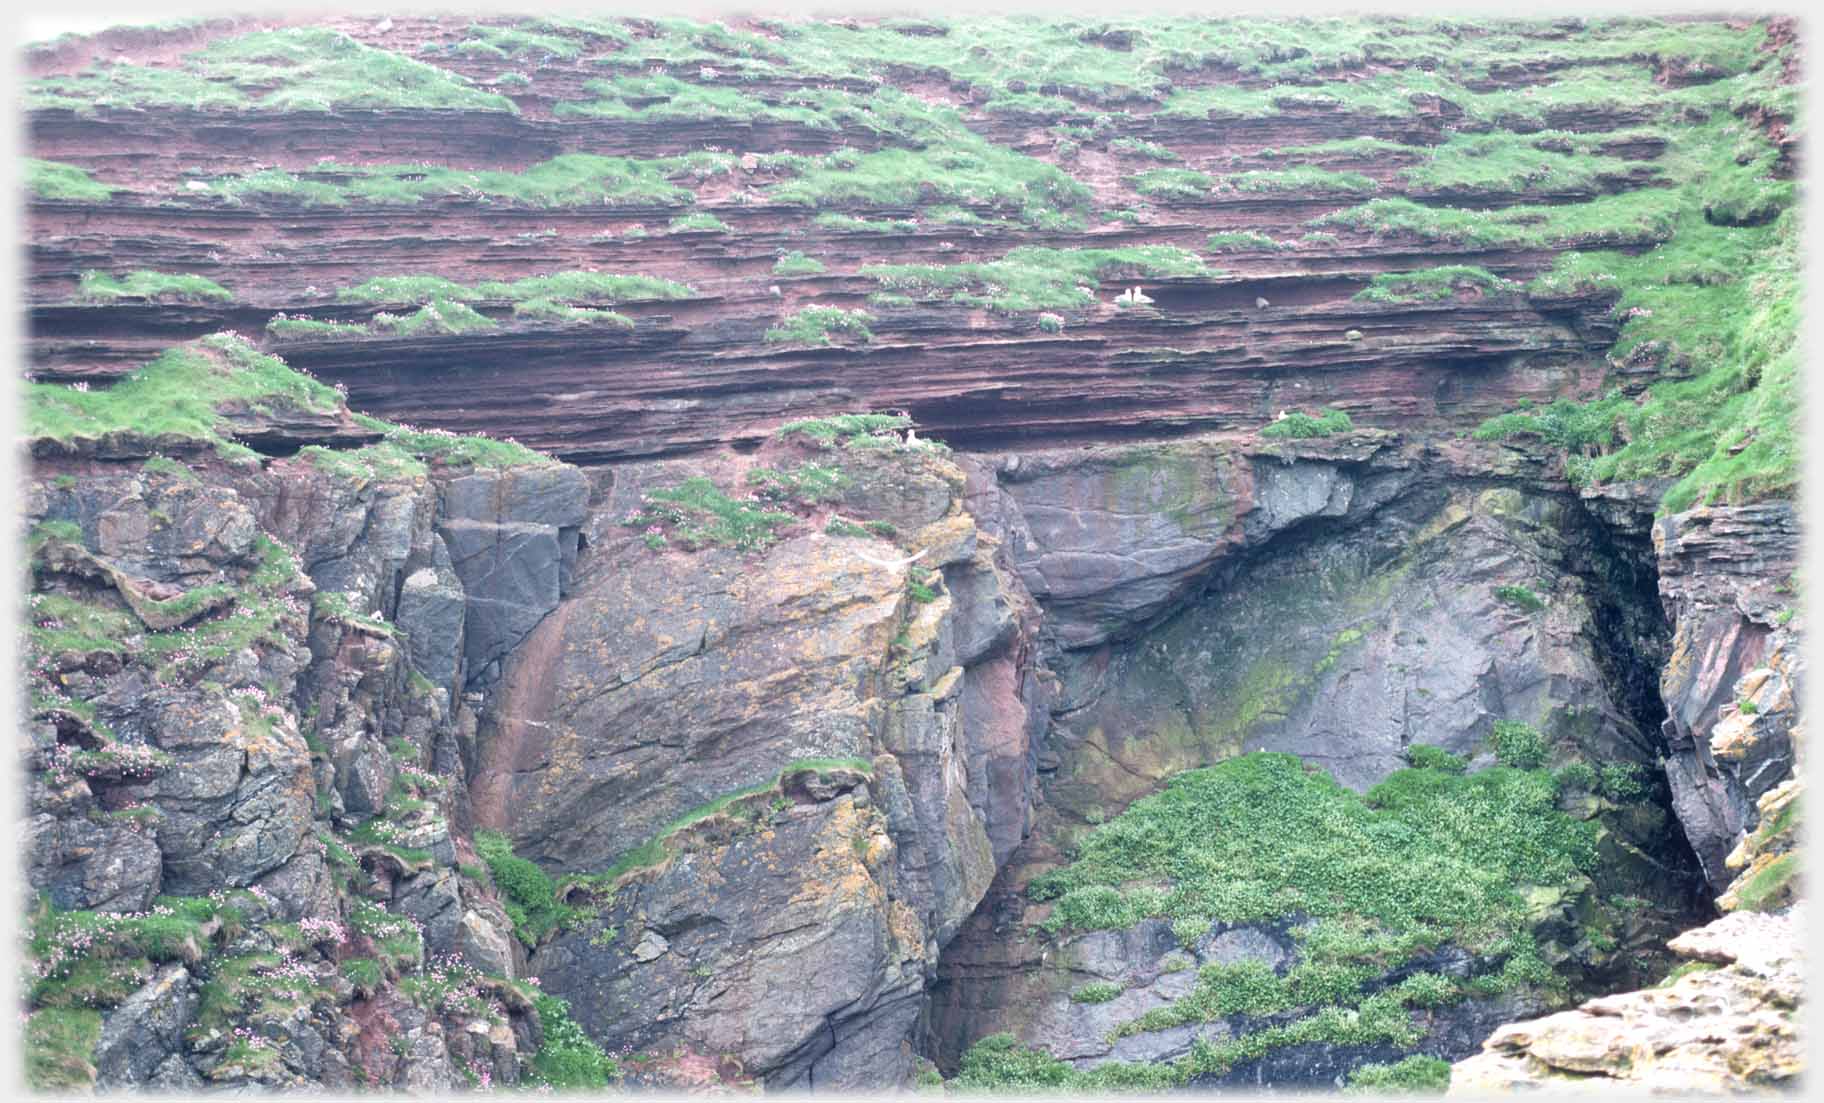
x=1340, y=601
x=1734, y=675
x=412, y=658
x=669, y=680
x=1731, y=1030
x=225, y=719
x=810, y=979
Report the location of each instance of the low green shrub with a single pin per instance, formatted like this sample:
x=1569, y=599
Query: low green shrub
x=1519, y=745
x=1300, y=425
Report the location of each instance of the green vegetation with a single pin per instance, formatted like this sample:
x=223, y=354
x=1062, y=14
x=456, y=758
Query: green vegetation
x=177, y=395
x=795, y=263
x=1433, y=285
x=1520, y=745
x=103, y=288
x=528, y=892
x=1298, y=425
x=1140, y=148
x=814, y=324
x=965, y=170
x=699, y=222
x=1505, y=162
x=1242, y=241
x=562, y=287
x=305, y=69
x=1720, y=300
x=569, y=1060
x=1100, y=991
x=1430, y=856
x=1035, y=277
x=1520, y=597
x=698, y=514
x=1424, y=757
x=808, y=484
x=60, y=1049
x=441, y=446
x=1305, y=179
x=54, y=180
x=1172, y=183
x=1767, y=886
x=1646, y=217
x=526, y=38
x=659, y=848
x=570, y=180
x=853, y=430
x=435, y=317
x=850, y=224
x=1416, y=1075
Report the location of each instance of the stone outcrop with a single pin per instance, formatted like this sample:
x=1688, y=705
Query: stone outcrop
x=1732, y=681
x=1729, y=1027
x=668, y=681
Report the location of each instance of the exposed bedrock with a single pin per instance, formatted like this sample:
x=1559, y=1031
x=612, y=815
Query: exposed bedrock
x=1341, y=601
x=666, y=682
x=1733, y=679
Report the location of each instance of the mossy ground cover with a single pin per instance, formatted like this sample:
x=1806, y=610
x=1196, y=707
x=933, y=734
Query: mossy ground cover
x=1035, y=277
x=306, y=69
x=1432, y=856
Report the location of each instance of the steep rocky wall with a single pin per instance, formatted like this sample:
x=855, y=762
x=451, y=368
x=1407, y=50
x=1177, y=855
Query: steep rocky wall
x=797, y=786
x=290, y=766
x=669, y=680
x=1341, y=601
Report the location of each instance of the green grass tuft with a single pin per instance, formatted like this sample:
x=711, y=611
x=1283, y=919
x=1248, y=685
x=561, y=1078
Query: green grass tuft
x=53, y=180
x=102, y=288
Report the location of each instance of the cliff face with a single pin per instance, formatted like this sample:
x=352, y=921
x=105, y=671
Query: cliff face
x=757, y=740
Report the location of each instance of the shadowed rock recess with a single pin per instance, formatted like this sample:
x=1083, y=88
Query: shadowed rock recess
x=1045, y=555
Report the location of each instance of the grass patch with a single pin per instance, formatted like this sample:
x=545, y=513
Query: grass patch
x=301, y=69
x=60, y=1049
x=1416, y=1075
x=102, y=288
x=1520, y=597
x=568, y=1059
x=853, y=430
x=697, y=514
x=1427, y=858
x=560, y=296
x=1172, y=183
x=1311, y=181
x=1137, y=147
x=1434, y=285
x=795, y=263
x=1298, y=425
x=814, y=324
x=55, y=180
x=570, y=180
x=1243, y=241
x=1035, y=277
x=178, y=395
